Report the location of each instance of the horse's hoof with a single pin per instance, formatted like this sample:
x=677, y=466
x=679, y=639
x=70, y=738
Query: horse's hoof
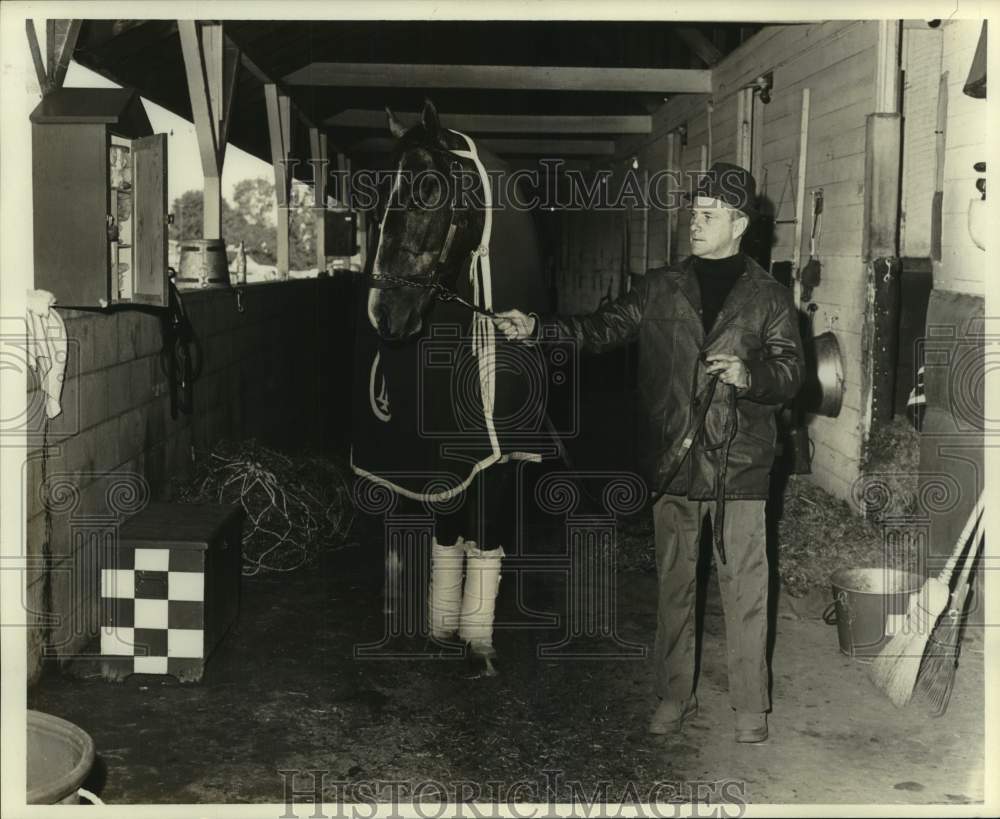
x=483, y=663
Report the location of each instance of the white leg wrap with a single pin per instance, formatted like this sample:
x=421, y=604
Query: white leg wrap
x=482, y=581
x=445, y=596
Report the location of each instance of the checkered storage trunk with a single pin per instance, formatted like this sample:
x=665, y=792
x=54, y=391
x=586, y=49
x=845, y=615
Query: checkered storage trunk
x=170, y=589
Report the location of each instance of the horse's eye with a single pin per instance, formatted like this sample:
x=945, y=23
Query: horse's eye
x=429, y=191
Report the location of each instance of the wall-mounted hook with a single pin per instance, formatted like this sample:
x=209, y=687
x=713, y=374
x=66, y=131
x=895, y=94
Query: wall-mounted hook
x=763, y=85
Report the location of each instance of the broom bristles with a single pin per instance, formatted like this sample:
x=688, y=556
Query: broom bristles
x=937, y=671
x=895, y=669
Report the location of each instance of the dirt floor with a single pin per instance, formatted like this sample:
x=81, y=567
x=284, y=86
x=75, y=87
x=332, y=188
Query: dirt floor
x=285, y=692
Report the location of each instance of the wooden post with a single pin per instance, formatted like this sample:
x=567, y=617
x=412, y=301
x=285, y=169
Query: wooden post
x=673, y=167
x=321, y=164
x=880, y=237
x=887, y=67
x=800, y=196
x=341, y=182
x=211, y=63
x=645, y=222
x=279, y=124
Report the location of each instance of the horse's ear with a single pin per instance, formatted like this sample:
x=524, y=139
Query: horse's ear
x=396, y=128
x=432, y=123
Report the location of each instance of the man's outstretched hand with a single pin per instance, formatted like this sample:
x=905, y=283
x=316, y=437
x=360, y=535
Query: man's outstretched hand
x=515, y=325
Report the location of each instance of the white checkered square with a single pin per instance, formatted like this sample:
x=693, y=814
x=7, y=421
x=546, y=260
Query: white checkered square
x=186, y=586
x=117, y=583
x=185, y=642
x=152, y=560
x=151, y=613
x=117, y=641
x=150, y=665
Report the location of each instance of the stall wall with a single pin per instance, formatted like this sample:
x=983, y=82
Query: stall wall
x=959, y=332
x=836, y=61
x=277, y=372
x=963, y=265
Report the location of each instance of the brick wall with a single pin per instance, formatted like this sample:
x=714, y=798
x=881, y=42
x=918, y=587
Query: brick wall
x=277, y=371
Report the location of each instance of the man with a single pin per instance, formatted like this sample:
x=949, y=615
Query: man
x=719, y=354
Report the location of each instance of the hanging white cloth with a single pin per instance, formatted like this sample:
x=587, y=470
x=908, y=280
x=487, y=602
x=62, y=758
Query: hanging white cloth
x=47, y=347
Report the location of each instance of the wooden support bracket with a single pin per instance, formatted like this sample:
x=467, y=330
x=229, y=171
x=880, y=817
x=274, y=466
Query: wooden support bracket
x=211, y=65
x=279, y=126
x=321, y=165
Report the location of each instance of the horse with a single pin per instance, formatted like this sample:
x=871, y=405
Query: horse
x=444, y=403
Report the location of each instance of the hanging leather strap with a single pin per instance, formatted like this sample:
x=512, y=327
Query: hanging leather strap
x=702, y=401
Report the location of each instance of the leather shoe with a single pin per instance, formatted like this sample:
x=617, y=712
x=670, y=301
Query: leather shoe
x=751, y=727
x=670, y=715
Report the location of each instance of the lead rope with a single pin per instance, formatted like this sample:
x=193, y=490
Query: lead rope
x=720, y=477
x=481, y=279
x=701, y=404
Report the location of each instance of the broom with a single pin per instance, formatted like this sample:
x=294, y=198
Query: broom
x=895, y=669
x=937, y=669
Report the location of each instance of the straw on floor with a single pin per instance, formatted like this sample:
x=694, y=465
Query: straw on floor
x=895, y=670
x=297, y=506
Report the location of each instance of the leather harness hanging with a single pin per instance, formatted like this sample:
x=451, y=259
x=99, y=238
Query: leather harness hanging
x=702, y=401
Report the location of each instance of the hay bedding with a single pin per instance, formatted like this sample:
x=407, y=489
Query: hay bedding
x=297, y=507
x=817, y=534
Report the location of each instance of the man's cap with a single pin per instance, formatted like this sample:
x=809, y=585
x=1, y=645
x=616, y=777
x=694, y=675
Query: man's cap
x=730, y=184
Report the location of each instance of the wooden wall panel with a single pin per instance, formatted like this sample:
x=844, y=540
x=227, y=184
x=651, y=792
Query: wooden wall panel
x=963, y=266
x=836, y=61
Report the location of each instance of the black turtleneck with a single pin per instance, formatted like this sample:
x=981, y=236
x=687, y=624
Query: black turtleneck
x=716, y=278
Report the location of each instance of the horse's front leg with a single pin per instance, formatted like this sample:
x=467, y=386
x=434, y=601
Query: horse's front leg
x=482, y=584
x=393, y=577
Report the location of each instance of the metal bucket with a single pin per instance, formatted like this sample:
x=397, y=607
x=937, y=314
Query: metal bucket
x=203, y=263
x=60, y=755
x=870, y=606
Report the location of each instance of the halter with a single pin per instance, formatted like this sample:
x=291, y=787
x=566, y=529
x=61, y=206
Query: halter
x=479, y=263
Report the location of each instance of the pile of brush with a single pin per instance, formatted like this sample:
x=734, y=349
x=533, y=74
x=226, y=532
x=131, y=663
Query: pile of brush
x=296, y=507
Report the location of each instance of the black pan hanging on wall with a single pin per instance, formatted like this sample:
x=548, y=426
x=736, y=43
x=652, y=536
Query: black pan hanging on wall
x=823, y=391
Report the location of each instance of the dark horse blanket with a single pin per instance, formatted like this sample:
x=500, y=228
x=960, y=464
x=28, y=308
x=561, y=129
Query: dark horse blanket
x=421, y=425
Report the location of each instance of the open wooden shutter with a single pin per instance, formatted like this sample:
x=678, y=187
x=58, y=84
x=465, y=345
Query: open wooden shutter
x=149, y=202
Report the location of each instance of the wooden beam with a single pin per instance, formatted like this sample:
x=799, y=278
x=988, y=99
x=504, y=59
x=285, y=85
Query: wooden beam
x=531, y=166
x=279, y=123
x=703, y=48
x=673, y=164
x=321, y=165
x=65, y=35
x=198, y=88
x=887, y=70
x=230, y=73
x=504, y=77
x=503, y=123
x=212, y=51
x=550, y=147
x=250, y=65
x=36, y=57
x=800, y=194
x=202, y=62
x=883, y=137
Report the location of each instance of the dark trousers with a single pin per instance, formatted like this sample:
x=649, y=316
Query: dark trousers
x=743, y=582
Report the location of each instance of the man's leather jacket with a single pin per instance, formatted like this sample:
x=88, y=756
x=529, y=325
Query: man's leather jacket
x=758, y=323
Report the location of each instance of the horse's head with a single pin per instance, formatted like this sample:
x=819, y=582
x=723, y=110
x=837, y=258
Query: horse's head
x=425, y=233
